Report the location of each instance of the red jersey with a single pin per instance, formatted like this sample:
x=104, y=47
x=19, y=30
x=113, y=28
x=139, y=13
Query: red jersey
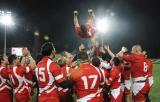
x=48, y=74
x=139, y=67
x=28, y=77
x=66, y=69
x=5, y=85
x=64, y=92
x=16, y=77
x=87, y=79
x=125, y=72
x=114, y=77
x=85, y=35
x=19, y=85
x=150, y=67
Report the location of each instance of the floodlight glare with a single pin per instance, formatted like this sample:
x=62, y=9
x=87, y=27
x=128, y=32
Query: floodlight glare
x=6, y=20
x=102, y=25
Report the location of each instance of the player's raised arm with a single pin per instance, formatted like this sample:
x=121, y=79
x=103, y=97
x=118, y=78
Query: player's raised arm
x=121, y=53
x=106, y=47
x=76, y=23
x=91, y=18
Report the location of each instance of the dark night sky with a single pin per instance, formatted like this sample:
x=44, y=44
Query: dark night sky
x=135, y=22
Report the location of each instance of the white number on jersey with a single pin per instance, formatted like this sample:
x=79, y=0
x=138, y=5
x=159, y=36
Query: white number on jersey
x=145, y=67
x=94, y=77
x=119, y=80
x=42, y=75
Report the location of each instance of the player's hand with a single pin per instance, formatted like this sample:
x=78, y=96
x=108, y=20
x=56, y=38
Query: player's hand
x=124, y=49
x=68, y=75
x=75, y=13
x=106, y=47
x=106, y=82
x=102, y=50
x=90, y=11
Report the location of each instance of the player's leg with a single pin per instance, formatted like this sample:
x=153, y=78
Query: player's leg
x=141, y=95
x=128, y=97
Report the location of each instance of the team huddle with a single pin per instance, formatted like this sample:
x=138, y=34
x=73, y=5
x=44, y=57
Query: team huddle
x=86, y=76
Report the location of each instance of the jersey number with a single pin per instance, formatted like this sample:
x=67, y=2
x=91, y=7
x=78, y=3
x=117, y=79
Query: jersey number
x=94, y=77
x=42, y=74
x=145, y=67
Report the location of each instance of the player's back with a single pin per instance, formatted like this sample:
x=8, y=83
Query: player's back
x=138, y=65
x=87, y=80
x=4, y=83
x=16, y=77
x=44, y=75
x=48, y=74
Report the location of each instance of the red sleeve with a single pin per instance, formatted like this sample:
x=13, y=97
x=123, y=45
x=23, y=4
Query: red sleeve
x=129, y=58
x=74, y=75
x=4, y=73
x=22, y=70
x=106, y=73
x=150, y=65
x=26, y=69
x=56, y=71
x=112, y=76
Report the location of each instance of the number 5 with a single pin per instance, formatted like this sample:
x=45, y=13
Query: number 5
x=41, y=72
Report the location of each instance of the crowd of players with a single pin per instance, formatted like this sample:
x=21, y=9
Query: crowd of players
x=86, y=76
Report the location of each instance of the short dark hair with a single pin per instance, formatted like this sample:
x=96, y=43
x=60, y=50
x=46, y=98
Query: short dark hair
x=96, y=61
x=82, y=55
x=83, y=28
x=116, y=61
x=1, y=59
x=11, y=58
x=47, y=49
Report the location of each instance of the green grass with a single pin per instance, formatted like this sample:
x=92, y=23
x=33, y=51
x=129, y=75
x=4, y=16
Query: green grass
x=155, y=91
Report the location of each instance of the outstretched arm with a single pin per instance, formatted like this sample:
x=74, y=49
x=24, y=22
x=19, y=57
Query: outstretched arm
x=76, y=19
x=106, y=47
x=91, y=17
x=123, y=50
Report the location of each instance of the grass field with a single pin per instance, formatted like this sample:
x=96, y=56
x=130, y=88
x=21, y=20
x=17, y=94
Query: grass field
x=155, y=91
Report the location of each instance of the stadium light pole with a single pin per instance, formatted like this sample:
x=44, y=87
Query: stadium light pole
x=6, y=20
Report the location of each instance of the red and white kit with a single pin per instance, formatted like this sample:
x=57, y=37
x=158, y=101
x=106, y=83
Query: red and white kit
x=139, y=73
x=5, y=86
x=114, y=81
x=20, y=87
x=48, y=75
x=150, y=67
x=105, y=76
x=125, y=78
x=64, y=93
x=89, y=27
x=87, y=79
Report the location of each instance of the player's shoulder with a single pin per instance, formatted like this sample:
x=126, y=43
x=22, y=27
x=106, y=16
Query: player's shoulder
x=115, y=69
x=149, y=60
x=76, y=72
x=54, y=64
x=20, y=67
